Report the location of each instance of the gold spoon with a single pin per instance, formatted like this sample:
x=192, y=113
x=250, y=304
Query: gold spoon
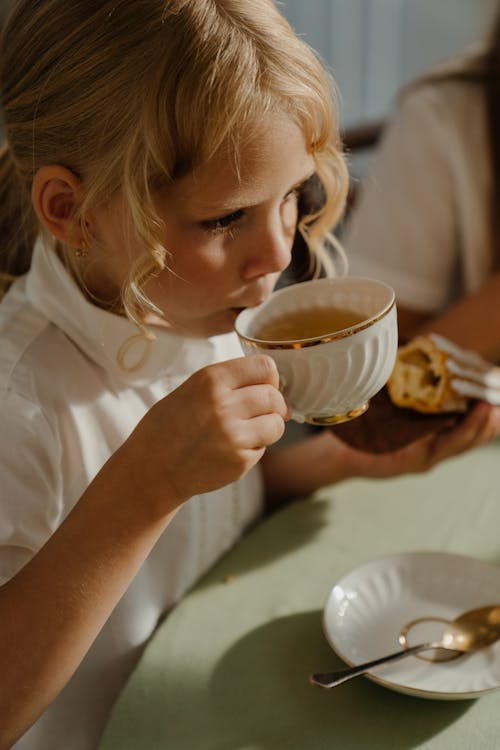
x=469, y=632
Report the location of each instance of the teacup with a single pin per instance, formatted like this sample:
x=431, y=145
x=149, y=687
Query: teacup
x=328, y=376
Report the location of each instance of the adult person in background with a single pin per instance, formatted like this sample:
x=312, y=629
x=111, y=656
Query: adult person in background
x=427, y=219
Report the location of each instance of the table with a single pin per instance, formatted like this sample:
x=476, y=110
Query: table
x=228, y=667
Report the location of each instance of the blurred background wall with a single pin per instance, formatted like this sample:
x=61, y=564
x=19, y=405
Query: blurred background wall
x=375, y=46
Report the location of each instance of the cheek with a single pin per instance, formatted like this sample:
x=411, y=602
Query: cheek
x=199, y=268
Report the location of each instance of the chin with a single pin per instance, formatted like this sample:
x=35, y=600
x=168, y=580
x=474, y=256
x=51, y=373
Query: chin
x=207, y=328
x=224, y=323
x=221, y=329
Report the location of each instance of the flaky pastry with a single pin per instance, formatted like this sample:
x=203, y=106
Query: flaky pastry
x=432, y=375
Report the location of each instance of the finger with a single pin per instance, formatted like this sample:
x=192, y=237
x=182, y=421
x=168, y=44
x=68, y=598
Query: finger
x=255, y=400
x=257, y=433
x=412, y=458
x=265, y=430
x=483, y=422
x=481, y=425
x=251, y=370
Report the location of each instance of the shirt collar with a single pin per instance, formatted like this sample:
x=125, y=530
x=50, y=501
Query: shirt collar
x=104, y=336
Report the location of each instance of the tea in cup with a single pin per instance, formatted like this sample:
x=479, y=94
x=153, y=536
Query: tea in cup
x=334, y=342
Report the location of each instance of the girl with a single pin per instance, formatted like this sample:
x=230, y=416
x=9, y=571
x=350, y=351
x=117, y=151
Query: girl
x=157, y=155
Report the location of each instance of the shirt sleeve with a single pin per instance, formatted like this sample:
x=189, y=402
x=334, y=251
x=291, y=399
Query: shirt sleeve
x=30, y=507
x=403, y=229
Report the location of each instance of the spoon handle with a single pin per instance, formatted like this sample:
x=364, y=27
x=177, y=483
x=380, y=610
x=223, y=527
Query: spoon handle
x=331, y=679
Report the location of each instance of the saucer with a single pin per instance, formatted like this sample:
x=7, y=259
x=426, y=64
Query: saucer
x=369, y=606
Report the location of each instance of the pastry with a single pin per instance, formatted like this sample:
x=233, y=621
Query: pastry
x=421, y=378
x=432, y=385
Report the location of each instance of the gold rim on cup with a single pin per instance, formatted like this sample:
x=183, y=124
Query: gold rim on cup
x=326, y=339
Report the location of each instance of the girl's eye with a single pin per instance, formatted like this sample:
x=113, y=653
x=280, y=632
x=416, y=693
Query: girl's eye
x=227, y=223
x=222, y=223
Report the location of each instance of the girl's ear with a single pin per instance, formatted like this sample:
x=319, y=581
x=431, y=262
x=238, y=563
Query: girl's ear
x=55, y=195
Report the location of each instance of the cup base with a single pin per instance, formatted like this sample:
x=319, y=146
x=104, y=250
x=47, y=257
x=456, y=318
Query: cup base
x=337, y=418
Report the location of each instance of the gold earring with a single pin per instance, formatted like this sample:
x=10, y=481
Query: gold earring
x=82, y=251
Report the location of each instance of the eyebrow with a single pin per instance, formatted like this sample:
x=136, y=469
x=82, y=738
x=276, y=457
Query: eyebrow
x=224, y=208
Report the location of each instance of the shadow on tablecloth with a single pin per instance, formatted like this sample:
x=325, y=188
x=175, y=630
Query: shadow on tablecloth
x=291, y=528
x=275, y=708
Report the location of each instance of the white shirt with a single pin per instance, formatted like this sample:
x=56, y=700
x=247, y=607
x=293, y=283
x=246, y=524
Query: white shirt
x=65, y=407
x=422, y=222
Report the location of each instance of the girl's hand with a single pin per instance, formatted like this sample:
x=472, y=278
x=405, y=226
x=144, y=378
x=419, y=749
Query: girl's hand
x=213, y=428
x=480, y=426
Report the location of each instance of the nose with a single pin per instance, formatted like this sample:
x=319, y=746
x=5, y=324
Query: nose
x=270, y=250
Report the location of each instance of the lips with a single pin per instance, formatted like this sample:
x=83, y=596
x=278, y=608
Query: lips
x=261, y=291
x=252, y=303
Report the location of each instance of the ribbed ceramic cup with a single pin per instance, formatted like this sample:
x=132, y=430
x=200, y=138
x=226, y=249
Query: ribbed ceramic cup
x=329, y=378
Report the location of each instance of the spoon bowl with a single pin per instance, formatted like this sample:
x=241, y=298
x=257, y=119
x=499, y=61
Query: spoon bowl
x=471, y=631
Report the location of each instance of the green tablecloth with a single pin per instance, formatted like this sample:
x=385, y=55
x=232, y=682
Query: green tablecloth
x=227, y=669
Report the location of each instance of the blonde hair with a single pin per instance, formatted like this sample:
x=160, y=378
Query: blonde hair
x=130, y=95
